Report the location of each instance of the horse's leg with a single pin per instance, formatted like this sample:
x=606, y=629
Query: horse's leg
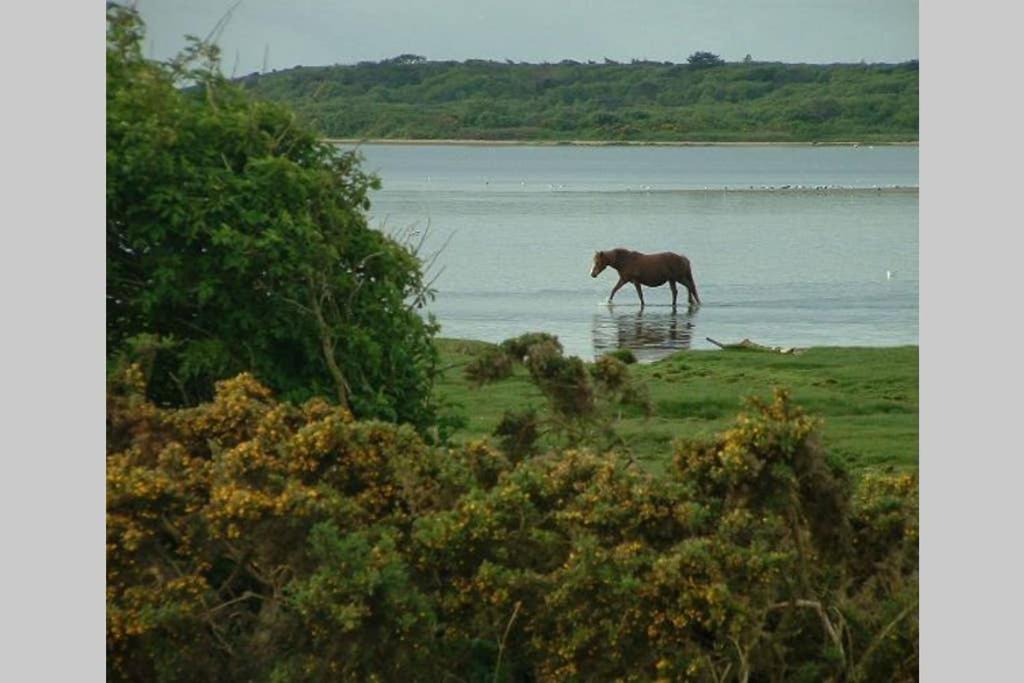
x=616, y=288
x=672, y=284
x=639, y=293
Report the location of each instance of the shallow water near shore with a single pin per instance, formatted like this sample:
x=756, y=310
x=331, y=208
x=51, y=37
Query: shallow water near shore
x=790, y=246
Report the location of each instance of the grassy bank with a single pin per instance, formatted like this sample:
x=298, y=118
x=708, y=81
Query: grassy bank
x=868, y=398
x=608, y=143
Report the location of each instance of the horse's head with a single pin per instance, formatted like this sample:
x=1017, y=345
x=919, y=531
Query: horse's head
x=600, y=263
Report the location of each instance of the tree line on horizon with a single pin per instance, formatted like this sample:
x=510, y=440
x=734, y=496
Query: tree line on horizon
x=705, y=99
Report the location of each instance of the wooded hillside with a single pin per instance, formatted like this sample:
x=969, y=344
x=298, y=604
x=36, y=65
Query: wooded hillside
x=408, y=97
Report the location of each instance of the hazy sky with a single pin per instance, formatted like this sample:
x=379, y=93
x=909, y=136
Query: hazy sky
x=317, y=32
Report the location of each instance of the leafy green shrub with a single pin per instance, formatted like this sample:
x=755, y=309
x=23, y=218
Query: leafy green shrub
x=519, y=347
x=563, y=380
x=584, y=401
x=625, y=355
x=610, y=372
x=518, y=433
x=490, y=366
x=617, y=388
x=239, y=238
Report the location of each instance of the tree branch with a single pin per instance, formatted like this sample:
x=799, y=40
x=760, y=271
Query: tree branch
x=501, y=644
x=877, y=640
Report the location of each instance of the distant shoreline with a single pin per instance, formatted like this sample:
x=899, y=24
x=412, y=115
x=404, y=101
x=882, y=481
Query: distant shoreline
x=611, y=143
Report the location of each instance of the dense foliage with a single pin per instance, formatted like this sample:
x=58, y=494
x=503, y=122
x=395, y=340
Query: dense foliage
x=237, y=240
x=250, y=539
x=703, y=100
x=704, y=59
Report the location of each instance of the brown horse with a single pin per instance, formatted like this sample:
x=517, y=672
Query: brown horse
x=650, y=270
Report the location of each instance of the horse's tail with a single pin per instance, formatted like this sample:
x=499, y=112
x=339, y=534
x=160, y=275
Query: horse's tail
x=691, y=284
x=693, y=288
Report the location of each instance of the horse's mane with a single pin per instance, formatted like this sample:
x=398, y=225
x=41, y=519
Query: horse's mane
x=619, y=255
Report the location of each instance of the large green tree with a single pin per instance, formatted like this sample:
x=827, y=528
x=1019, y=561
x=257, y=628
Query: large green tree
x=237, y=240
x=704, y=59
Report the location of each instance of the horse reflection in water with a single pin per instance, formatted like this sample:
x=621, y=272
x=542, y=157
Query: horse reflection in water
x=650, y=336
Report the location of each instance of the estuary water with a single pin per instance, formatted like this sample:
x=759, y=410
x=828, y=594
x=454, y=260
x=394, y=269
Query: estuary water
x=790, y=246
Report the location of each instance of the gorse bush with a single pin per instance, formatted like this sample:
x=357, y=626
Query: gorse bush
x=563, y=380
x=518, y=433
x=492, y=365
x=224, y=546
x=625, y=355
x=519, y=347
x=250, y=539
x=237, y=240
x=583, y=403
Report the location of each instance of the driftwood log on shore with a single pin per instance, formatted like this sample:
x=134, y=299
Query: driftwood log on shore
x=747, y=345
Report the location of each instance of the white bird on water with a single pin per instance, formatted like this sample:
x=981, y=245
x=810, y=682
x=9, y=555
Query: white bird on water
x=889, y=274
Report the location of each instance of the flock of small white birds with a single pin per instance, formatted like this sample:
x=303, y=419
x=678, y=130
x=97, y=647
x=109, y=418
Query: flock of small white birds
x=769, y=188
x=889, y=274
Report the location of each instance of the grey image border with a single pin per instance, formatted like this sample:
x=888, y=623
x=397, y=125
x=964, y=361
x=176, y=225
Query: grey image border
x=969, y=265
x=54, y=343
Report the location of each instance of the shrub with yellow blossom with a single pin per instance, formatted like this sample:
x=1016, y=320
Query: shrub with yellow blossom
x=250, y=539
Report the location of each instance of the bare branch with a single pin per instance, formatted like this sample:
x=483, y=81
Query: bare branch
x=434, y=279
x=328, y=343
x=879, y=638
x=501, y=645
x=293, y=302
x=247, y=595
x=826, y=623
x=444, y=245
x=214, y=35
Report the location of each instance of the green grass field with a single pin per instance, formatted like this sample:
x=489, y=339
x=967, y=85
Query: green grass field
x=867, y=398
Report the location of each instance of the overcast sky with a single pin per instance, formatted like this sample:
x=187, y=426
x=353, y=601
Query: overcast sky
x=318, y=32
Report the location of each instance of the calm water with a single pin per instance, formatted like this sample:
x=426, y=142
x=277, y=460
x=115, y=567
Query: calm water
x=830, y=259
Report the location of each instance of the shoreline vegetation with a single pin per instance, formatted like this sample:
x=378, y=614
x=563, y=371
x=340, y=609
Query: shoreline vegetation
x=417, y=101
x=613, y=143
